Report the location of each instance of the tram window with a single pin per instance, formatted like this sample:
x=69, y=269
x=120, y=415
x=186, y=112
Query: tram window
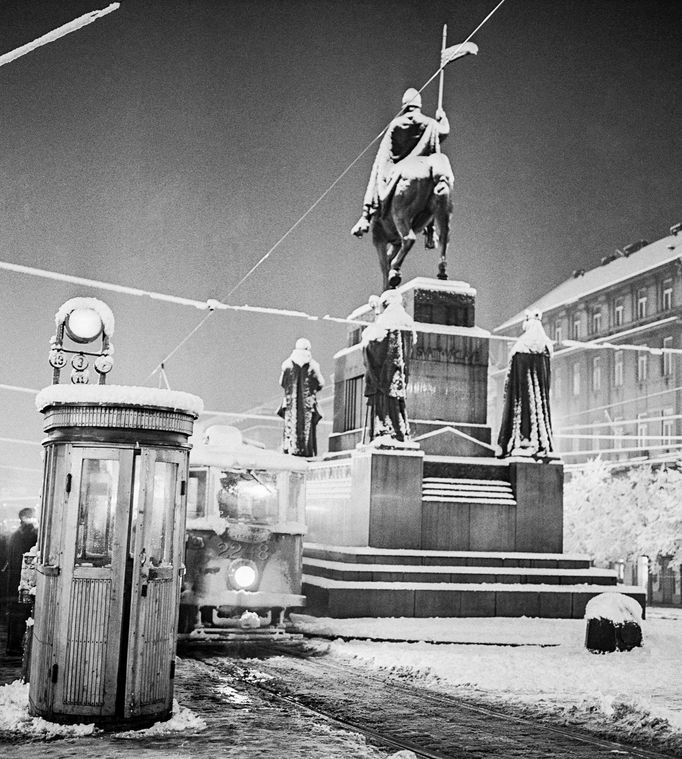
x=258, y=500
x=247, y=496
x=228, y=495
x=158, y=542
x=294, y=486
x=97, y=504
x=196, y=494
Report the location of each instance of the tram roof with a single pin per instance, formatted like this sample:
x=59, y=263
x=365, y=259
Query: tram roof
x=245, y=457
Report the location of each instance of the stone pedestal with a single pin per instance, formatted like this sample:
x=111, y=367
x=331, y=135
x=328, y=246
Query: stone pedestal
x=369, y=497
x=448, y=383
x=448, y=530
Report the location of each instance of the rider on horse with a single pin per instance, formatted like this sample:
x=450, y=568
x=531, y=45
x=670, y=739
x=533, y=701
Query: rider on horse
x=410, y=134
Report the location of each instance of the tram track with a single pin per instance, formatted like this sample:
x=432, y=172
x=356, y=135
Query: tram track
x=401, y=716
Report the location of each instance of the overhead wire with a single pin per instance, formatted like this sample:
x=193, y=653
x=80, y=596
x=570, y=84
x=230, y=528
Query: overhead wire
x=212, y=305
x=618, y=403
x=57, y=33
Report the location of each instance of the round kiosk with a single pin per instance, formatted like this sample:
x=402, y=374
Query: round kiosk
x=111, y=547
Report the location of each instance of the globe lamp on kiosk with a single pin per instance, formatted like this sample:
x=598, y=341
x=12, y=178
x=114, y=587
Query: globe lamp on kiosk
x=82, y=321
x=83, y=325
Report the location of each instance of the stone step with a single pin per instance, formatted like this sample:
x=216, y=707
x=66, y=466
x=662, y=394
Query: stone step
x=370, y=573
x=467, y=490
x=407, y=556
x=345, y=599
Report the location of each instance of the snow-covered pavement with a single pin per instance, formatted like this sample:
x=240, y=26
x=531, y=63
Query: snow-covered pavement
x=536, y=665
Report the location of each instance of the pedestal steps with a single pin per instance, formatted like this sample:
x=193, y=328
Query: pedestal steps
x=361, y=581
x=467, y=490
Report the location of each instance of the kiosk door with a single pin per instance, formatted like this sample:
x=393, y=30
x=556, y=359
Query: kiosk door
x=84, y=673
x=156, y=545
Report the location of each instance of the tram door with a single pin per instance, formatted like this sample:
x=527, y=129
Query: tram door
x=120, y=581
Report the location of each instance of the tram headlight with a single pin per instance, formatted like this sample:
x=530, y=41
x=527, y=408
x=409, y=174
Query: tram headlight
x=243, y=574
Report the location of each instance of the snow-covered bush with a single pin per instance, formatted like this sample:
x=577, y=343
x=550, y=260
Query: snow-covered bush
x=616, y=516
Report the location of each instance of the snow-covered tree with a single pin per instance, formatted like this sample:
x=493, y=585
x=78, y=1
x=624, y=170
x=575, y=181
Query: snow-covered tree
x=612, y=517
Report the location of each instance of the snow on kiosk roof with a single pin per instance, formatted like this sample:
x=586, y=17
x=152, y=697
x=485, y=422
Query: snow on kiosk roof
x=119, y=394
x=618, y=270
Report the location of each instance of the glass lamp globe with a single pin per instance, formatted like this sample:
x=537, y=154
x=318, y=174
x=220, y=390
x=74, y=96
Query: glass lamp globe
x=83, y=325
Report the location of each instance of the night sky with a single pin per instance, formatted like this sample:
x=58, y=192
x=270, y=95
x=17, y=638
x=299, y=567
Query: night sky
x=170, y=144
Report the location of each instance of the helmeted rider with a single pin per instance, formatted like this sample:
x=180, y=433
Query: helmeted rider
x=409, y=134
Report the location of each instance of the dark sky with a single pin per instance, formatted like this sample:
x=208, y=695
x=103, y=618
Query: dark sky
x=170, y=144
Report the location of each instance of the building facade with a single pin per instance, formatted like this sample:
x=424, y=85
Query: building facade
x=616, y=393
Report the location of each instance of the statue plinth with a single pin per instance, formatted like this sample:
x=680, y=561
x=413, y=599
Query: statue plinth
x=448, y=385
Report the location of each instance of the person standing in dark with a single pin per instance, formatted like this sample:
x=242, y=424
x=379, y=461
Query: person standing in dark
x=21, y=541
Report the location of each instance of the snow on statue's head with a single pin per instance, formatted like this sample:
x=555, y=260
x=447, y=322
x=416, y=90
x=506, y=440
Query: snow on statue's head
x=531, y=316
x=375, y=304
x=391, y=298
x=411, y=99
x=301, y=354
x=534, y=338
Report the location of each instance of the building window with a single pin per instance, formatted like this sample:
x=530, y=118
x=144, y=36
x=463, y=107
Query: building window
x=557, y=331
x=576, y=328
x=667, y=428
x=642, y=431
x=642, y=366
x=619, y=313
x=641, y=303
x=667, y=299
x=596, y=321
x=576, y=379
x=596, y=373
x=618, y=369
x=667, y=358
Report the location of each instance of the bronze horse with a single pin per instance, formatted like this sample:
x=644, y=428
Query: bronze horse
x=422, y=196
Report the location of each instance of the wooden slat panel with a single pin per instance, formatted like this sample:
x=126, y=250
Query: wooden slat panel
x=158, y=633
x=86, y=642
x=43, y=637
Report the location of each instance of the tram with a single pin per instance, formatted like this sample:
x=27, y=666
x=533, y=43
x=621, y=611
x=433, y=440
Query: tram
x=245, y=527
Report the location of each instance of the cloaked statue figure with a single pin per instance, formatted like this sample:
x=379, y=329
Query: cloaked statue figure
x=386, y=347
x=526, y=428
x=301, y=380
x=409, y=188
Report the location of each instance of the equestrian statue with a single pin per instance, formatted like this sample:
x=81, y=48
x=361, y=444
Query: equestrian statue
x=411, y=184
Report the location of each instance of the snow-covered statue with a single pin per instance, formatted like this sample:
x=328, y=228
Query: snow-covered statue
x=526, y=428
x=301, y=380
x=386, y=347
x=409, y=189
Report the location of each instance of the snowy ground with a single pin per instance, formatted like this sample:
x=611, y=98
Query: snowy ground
x=544, y=667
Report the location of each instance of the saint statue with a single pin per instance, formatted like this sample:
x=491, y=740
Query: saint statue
x=386, y=348
x=301, y=380
x=410, y=134
x=526, y=428
x=409, y=189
